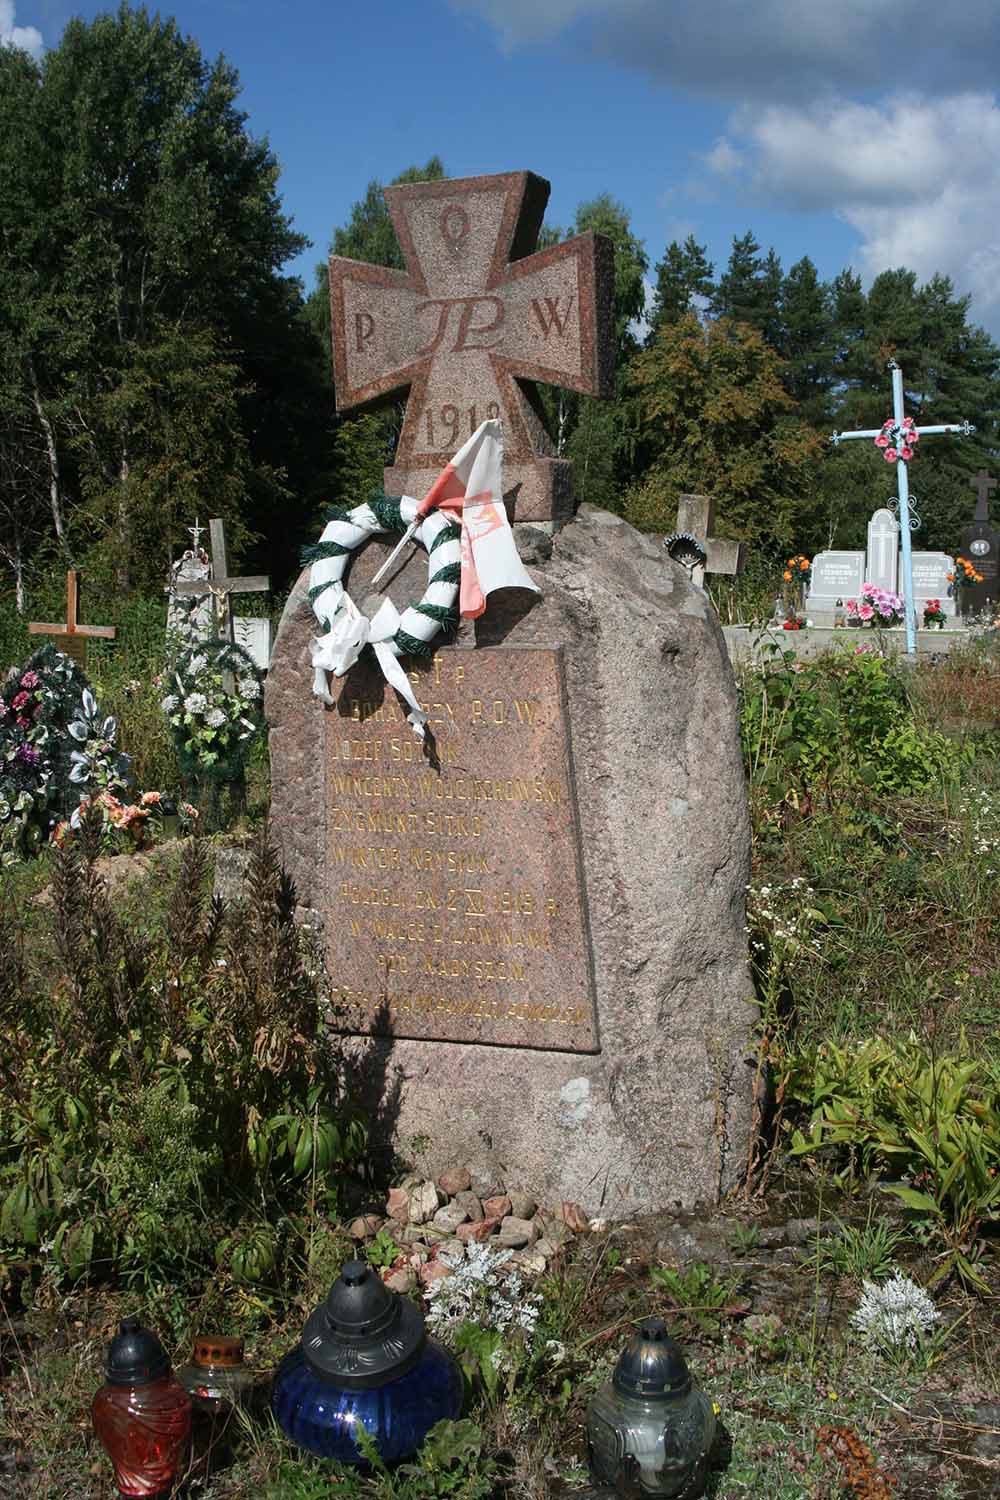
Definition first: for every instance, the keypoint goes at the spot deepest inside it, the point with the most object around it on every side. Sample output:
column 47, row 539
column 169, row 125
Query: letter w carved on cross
column 473, row 322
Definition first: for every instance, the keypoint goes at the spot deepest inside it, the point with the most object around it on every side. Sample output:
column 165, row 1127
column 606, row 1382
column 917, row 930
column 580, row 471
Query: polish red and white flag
column 470, row 488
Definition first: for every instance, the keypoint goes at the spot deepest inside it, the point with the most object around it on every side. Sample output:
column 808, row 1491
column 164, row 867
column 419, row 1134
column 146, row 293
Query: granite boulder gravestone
column 537, row 919
column 534, row 918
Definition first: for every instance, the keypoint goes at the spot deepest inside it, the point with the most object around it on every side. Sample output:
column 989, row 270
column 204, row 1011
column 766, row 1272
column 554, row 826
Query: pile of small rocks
column 434, row 1222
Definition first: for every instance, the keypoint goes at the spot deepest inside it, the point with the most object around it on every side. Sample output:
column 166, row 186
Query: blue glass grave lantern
column 365, row 1357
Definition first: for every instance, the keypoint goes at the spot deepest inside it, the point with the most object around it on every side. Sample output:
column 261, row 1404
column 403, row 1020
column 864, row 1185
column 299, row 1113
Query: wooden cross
column 696, row 515
column 470, row 325
column 963, row 429
column 71, row 638
column 984, row 485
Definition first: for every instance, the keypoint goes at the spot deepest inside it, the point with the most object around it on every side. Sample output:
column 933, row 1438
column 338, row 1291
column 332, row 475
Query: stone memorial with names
column 930, row 581
column 474, row 320
column 835, row 575
column 533, row 919
column 981, row 545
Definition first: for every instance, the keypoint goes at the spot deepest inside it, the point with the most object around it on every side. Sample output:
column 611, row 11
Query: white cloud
column 723, row 160
column 767, row 49
column 28, row 38
column 917, row 178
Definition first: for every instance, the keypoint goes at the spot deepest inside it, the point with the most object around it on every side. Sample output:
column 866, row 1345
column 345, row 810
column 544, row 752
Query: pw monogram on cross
column 470, row 325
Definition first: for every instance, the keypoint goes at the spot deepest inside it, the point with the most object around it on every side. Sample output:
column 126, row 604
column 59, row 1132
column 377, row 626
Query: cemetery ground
column 175, row 1143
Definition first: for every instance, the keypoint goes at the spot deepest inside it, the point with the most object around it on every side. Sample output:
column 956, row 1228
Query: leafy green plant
column 382, row 1250
column 172, row 1091
column 697, row 1292
column 859, row 1252
column 744, row 1239
column 896, row 1108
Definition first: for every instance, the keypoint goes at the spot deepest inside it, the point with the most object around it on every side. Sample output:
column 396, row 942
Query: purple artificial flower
column 26, row 755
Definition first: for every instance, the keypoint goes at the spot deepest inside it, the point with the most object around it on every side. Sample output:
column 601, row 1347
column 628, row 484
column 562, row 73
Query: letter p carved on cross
column 470, row 326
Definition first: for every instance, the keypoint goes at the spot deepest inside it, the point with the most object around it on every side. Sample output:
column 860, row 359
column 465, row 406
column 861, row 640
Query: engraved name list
column 455, row 896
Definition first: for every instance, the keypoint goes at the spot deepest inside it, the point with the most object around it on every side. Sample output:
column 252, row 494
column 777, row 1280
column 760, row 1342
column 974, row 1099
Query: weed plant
column 167, row 1100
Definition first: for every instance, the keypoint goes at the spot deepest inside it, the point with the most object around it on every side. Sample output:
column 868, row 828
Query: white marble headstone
column 883, row 551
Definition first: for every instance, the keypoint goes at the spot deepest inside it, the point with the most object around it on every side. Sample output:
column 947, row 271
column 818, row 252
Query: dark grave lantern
column 650, row 1430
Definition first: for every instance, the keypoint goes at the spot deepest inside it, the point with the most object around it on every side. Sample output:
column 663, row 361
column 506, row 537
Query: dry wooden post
column 71, row 638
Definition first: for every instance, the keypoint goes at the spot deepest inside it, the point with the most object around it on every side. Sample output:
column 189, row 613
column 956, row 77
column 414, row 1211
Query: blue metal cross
column 963, row 429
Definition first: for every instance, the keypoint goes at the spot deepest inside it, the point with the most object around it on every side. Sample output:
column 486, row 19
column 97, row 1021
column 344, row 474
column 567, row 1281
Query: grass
column 904, row 888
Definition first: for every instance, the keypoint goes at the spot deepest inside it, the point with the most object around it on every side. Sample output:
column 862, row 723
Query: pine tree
column 806, row 341
column 749, row 289
column 683, row 277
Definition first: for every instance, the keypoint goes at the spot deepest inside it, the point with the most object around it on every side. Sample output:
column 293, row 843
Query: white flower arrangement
column 214, row 709
column 895, row 1317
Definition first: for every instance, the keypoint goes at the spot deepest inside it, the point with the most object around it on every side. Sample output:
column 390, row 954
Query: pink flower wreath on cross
column 898, row 439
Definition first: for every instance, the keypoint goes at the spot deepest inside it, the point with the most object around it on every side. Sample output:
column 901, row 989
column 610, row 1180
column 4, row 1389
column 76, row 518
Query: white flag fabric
column 471, row 489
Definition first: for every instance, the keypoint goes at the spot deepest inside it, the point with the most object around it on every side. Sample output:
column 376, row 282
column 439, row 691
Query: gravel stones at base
column 434, row 1223
column 516, row 1233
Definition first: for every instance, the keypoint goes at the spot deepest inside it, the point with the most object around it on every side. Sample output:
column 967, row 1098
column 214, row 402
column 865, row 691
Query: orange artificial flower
column 786, row 575
column 950, row 577
column 803, row 563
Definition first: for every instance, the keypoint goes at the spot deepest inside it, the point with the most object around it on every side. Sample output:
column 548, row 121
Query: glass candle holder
column 142, row 1415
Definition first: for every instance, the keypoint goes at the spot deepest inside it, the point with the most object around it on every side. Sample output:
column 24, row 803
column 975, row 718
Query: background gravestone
column 835, row 575
column 882, row 567
column 541, row 924
column 930, row 581
column 981, row 545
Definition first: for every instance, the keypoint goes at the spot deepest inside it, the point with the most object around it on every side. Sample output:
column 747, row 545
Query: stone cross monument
column 696, row 516
column 470, row 325
column 532, row 919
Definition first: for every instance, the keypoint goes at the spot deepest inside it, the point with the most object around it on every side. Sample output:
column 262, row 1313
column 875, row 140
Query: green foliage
column 696, row 1292
column 451, row 1462
column 382, row 1249
column 172, row 1084
column 841, row 720
column 714, row 417
column 897, row 1109
column 862, row 1252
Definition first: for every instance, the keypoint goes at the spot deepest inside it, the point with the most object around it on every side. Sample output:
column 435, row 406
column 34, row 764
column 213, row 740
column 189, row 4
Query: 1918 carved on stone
column 471, row 323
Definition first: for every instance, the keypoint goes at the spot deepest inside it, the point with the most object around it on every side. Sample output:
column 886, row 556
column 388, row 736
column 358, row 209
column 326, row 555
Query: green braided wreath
column 347, row 530
column 214, row 729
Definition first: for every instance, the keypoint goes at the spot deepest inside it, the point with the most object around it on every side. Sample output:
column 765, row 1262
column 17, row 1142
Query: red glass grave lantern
column 142, row 1416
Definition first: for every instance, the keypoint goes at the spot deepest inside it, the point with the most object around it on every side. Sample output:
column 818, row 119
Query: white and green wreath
column 346, row 630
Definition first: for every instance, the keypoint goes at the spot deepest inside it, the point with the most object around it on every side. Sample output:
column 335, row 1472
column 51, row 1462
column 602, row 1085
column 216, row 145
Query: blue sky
column 861, row 132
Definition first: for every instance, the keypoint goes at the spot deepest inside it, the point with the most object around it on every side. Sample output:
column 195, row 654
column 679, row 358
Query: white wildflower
column 169, row 703
column 215, row 718
column 895, row 1317
column 195, row 703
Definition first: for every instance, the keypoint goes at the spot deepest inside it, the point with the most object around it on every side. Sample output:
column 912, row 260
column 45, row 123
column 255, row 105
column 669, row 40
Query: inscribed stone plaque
column 835, row 575
column 454, row 900
column 883, row 551
column 930, row 580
